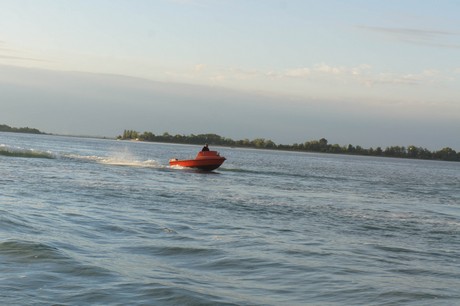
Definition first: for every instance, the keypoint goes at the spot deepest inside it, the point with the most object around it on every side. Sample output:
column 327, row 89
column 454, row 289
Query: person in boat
column 205, row 148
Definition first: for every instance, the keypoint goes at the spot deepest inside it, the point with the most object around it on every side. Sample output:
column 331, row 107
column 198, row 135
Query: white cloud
column 427, row 37
column 323, row 68
column 362, row 74
column 11, row 56
column 422, row 78
column 296, row 78
column 200, row 67
column 297, row 72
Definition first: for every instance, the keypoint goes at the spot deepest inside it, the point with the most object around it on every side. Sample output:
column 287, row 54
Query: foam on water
column 115, row 160
column 122, row 158
column 13, row 151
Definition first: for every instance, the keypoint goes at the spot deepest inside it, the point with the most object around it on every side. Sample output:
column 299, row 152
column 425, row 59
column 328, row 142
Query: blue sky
column 362, row 72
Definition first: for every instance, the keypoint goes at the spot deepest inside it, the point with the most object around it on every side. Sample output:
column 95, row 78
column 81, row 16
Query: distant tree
column 412, row 151
column 147, row 136
column 270, row 144
column 446, row 154
column 335, row 148
column 395, row 151
column 6, row 128
column 321, row 145
column 258, row 143
column 351, row 149
column 130, row 134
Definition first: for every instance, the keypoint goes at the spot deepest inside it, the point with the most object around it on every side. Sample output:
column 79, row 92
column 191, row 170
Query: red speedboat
column 204, row 160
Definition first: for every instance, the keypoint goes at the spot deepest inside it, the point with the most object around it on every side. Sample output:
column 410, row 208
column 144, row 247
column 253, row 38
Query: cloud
column 200, row 67
column 103, row 104
column 408, row 31
column 10, row 57
column 235, row 74
column 321, row 71
column 10, row 54
column 422, row 78
column 245, row 74
column 433, row 38
column 362, row 74
column 359, row 75
column 327, row 69
column 298, row 72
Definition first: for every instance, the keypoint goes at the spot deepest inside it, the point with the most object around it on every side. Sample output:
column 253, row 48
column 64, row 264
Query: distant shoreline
column 314, row 146
column 25, row 130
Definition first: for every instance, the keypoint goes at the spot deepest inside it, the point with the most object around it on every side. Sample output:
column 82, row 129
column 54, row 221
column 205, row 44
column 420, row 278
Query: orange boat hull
column 207, row 161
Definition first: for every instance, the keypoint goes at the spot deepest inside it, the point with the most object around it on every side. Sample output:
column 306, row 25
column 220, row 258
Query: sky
column 369, row 73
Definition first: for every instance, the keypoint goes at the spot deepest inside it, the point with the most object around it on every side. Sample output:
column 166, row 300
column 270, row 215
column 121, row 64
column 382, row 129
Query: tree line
column 6, row 128
column 321, row 145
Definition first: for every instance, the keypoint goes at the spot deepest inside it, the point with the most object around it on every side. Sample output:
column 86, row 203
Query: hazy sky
column 363, row 72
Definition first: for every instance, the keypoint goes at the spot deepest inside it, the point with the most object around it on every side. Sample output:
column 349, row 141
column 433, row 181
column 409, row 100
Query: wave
column 30, row 253
column 22, row 152
column 130, row 161
column 168, row 250
column 27, row 251
column 273, row 173
column 114, row 160
column 13, row 223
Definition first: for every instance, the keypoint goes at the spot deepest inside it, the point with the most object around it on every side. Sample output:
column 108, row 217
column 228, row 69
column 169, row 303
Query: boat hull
column 206, row 165
column 206, row 161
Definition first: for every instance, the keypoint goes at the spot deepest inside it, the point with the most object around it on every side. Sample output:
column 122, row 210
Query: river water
column 105, row 222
